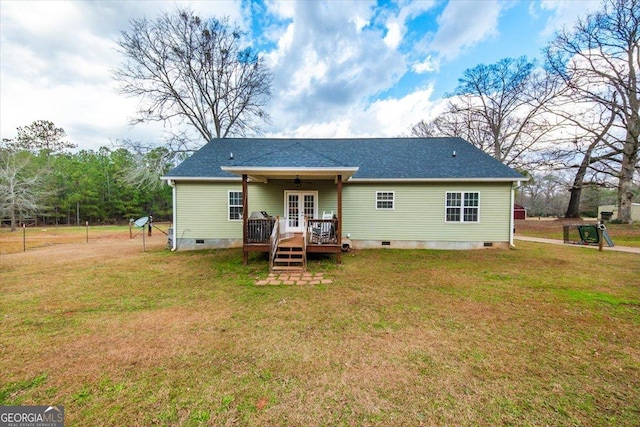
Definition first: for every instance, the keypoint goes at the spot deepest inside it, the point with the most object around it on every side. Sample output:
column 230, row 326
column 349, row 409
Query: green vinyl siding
column 419, row 213
column 202, row 211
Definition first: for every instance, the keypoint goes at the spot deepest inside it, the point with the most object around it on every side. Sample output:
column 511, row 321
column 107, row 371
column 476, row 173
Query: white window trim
column 229, row 206
column 393, row 201
column 462, row 206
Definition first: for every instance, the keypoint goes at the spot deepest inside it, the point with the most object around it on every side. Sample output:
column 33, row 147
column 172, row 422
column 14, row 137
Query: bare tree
column 454, row 122
column 44, row 138
column 599, row 58
column 544, row 194
column 196, row 71
column 153, row 161
column 424, row 129
column 498, row 108
column 20, row 186
column 584, row 142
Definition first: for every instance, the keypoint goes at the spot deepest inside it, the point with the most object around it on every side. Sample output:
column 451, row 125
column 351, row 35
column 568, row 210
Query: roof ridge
column 266, row 154
column 324, row 155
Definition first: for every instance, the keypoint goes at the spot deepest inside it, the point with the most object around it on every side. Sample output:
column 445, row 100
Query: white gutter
column 302, row 171
column 174, row 241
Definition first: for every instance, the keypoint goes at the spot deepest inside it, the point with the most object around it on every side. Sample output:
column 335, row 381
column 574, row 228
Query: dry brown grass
column 40, row 237
column 539, row 335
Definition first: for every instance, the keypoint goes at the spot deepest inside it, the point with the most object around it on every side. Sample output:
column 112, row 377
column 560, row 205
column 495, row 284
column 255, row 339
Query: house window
column 235, row 205
column 385, row 199
column 462, row 207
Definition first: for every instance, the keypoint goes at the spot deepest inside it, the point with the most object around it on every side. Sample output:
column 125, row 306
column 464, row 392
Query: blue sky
column 341, row 68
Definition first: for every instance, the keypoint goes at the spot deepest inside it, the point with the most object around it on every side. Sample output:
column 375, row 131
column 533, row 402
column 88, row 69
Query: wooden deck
column 292, row 242
column 326, row 248
column 289, row 251
column 298, row 241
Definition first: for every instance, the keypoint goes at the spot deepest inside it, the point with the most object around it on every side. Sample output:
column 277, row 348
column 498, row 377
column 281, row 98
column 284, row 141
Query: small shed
column 519, row 212
column 609, row 212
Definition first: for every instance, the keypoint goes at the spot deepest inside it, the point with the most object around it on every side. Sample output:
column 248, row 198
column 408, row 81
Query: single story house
column 440, row 193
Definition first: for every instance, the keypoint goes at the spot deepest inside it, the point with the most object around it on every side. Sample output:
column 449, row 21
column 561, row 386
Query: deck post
column 339, row 228
column 245, row 218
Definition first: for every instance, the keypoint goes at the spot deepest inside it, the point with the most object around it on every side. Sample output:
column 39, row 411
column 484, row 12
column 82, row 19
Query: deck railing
column 322, row 231
column 259, row 229
column 274, row 241
column 317, row 231
column 283, row 229
column 304, row 244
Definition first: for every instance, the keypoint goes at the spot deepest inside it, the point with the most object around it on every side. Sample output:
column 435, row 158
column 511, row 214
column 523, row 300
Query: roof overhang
column 264, row 174
column 198, row 178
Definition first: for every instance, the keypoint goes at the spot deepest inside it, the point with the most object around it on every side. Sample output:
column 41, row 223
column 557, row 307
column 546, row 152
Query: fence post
column 600, row 237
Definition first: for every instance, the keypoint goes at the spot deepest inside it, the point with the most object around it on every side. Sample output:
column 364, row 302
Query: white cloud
column 564, row 13
column 282, row 9
column 57, row 58
column 396, row 24
column 394, row 117
column 464, row 24
column 394, row 34
column 389, row 117
column 427, row 66
column 326, row 62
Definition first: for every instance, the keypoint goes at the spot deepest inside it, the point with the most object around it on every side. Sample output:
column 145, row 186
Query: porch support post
column 245, row 216
column 340, row 218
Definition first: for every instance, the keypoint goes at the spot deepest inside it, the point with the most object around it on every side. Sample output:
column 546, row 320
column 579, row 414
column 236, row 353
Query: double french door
column 299, row 204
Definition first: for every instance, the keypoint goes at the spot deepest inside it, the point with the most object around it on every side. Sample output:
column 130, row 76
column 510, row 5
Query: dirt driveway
column 99, row 249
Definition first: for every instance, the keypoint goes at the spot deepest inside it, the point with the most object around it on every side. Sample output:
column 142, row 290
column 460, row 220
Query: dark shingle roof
column 376, row 158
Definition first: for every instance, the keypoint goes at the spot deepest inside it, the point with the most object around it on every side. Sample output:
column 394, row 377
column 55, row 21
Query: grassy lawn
column 538, row 335
column 621, row 234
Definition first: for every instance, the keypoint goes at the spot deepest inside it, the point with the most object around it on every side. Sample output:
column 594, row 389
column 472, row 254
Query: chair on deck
column 322, row 231
column 326, row 231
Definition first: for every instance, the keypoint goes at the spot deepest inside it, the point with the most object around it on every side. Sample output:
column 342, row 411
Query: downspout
column 511, row 220
column 172, row 184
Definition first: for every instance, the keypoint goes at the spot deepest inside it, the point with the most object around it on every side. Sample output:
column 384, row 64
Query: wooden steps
column 290, row 255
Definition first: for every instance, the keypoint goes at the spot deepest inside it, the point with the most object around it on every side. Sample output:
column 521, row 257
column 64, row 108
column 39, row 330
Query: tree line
column 42, row 181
